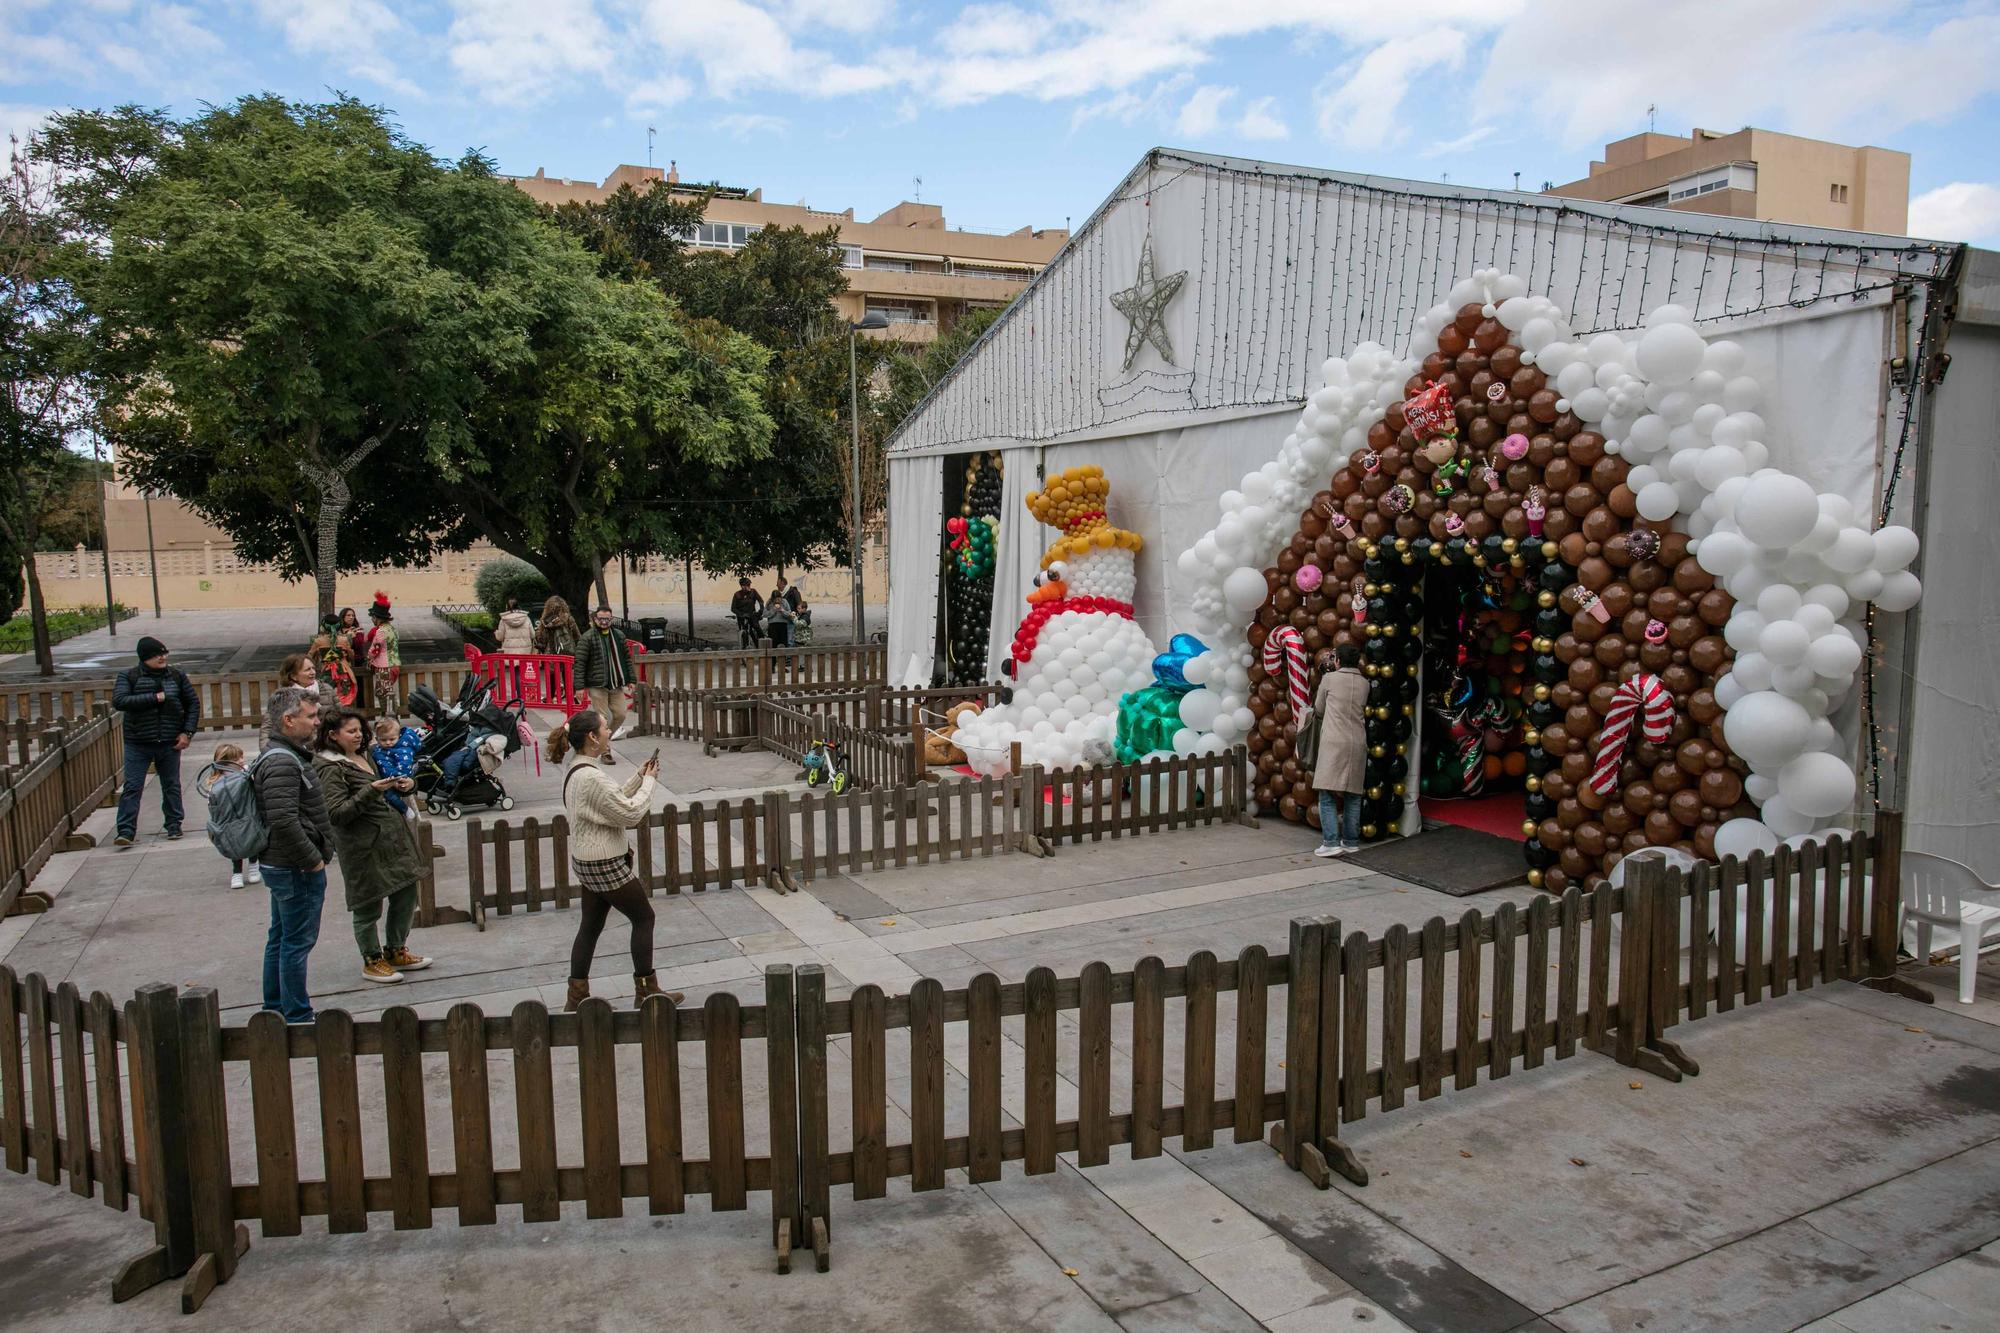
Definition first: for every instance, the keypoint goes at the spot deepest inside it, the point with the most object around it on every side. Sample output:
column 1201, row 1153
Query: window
column 1734, row 176
column 725, row 235
column 990, row 271
column 889, row 265
column 1836, row 194
column 850, row 256
column 902, row 312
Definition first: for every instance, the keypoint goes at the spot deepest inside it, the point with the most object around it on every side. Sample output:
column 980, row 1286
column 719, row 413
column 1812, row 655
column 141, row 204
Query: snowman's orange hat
column 1074, row 501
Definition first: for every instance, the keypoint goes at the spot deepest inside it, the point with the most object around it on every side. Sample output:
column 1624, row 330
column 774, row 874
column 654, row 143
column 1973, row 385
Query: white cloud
column 657, row 94
column 1201, row 115
column 843, row 15
column 1464, row 143
column 1262, row 121
column 1960, row 211
column 1357, row 105
column 350, row 34
column 20, row 122
column 521, row 51
column 742, row 49
column 746, row 123
column 1129, row 108
column 1856, row 70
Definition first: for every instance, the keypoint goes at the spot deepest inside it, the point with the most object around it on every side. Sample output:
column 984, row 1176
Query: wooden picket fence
column 1335, row 1014
column 231, row 701
column 784, row 839
column 45, row 798
column 766, row 668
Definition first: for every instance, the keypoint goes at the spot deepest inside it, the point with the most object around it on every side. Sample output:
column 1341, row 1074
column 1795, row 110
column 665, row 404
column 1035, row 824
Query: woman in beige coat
column 1343, row 753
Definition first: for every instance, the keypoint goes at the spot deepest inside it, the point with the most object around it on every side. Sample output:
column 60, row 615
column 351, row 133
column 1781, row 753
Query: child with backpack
column 227, row 762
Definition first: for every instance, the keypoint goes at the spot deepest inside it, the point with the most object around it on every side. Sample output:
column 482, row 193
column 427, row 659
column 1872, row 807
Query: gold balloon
column 1375, row 752
column 1374, row 793
column 1541, row 691
column 1531, row 737
column 1534, row 879
column 1532, row 783
column 1509, row 545
column 1368, row 830
column 1528, row 828
column 1396, row 787
column 1547, row 598
column 1549, row 550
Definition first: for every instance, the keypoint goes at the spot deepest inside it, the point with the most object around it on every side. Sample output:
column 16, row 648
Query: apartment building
column 1757, row 174
column 907, row 264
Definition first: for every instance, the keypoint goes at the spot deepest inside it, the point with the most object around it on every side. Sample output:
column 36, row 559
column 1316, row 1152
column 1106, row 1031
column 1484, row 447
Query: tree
column 914, row 372
column 287, row 294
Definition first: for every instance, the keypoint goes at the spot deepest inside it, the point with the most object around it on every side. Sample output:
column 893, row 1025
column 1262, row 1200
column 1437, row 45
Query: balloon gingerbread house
column 1567, row 561
column 1078, row 650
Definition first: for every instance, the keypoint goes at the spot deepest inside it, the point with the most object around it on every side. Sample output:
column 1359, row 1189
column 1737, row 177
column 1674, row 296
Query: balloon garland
column 1642, row 698
column 974, row 533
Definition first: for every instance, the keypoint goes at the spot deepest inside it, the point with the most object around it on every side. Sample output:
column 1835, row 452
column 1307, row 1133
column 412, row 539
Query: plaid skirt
column 603, row 876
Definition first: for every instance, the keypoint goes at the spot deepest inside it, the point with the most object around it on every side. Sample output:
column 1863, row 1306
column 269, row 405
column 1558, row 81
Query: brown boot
column 579, row 991
column 649, row 985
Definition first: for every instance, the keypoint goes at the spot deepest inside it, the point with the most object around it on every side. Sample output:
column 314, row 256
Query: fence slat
column 41, row 1080
column 1039, row 1140
column 1833, row 962
column 660, row 1073
column 1354, row 1027
column 722, row 1022
column 1149, row 1039
column 1198, row 1053
column 535, row 1113
column 1728, row 984
column 1430, row 1013
column 1304, row 960
column 110, row 1100
column 1698, row 946
column 927, row 1085
column 782, row 1074
column 1093, row 1129
column 815, row 1171
column 1753, row 928
column 1505, row 923
column 340, row 1121
column 276, row 1131
column 1535, row 1040
column 471, row 1115
column 983, row 1150
column 1781, row 900
column 13, row 1093
column 1252, row 968
column 403, row 1101
column 1466, row 1061
column 867, row 1017
column 1395, row 1014
column 1808, row 932
column 597, row 1091
column 75, row 1089
column 1597, row 1017
column 1860, row 877
column 1568, row 962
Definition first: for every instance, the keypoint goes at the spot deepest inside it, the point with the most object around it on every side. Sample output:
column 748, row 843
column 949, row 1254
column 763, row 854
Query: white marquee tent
column 1287, row 265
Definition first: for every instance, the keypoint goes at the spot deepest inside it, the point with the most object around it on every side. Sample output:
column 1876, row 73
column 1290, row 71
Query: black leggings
column 632, row 905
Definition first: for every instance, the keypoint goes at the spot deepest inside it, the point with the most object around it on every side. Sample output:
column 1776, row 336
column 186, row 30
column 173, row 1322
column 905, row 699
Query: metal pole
column 103, row 530
column 854, row 517
column 152, row 556
column 689, row 565
column 624, row 592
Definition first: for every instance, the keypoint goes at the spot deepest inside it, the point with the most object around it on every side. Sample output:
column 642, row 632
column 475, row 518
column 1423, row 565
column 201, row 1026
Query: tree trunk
column 603, row 590
column 334, row 498
column 38, row 616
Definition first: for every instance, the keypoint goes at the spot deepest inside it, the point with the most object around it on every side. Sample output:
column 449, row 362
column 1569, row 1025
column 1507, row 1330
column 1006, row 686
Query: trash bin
column 653, row 633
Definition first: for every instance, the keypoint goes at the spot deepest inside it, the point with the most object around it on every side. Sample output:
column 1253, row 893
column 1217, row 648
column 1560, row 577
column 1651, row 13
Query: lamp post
column 872, row 319
column 103, row 528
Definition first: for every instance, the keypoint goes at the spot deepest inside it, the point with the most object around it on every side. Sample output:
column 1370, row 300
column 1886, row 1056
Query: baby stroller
column 447, row 769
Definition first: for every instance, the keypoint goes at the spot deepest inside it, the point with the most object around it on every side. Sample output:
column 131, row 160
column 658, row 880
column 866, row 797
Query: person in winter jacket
column 292, row 805
column 603, row 670
column 600, row 811
column 301, row 670
column 1342, row 701
column 517, row 635
column 162, row 713
column 379, row 863
column 557, row 633
column 778, row 618
column 748, row 608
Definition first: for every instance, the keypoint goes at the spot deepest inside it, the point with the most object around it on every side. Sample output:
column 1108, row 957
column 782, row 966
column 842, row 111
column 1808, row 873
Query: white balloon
column 1728, row 690
column 1760, row 787
column 1818, row 786
column 1722, row 553
column 1825, row 530
column 1794, row 682
column 1744, row 628
column 1199, row 709
column 1670, row 353
column 1831, row 596
column 1740, row 837
column 1753, row 672
column 1784, row 821
column 1198, row 669
column 1658, row 502
column 1669, row 313
column 1895, row 547
column 1766, row 729
column 1900, row 591
column 1852, row 551
column 1784, row 642
column 1717, row 464
column 1184, row 741
column 1725, row 357
column 1865, row 586
column 1816, row 619
column 1244, row 590
column 1777, row 510
column 1778, row 602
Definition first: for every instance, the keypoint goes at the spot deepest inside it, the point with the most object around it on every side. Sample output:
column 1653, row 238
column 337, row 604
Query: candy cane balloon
column 1645, row 698
column 1285, row 651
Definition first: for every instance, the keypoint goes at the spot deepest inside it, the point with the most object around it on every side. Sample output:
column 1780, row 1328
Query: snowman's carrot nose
column 1052, row 591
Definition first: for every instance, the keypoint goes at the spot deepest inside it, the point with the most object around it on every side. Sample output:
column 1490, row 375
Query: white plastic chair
column 1938, row 891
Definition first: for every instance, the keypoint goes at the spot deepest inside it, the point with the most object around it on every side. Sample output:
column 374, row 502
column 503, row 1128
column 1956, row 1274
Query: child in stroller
column 449, row 768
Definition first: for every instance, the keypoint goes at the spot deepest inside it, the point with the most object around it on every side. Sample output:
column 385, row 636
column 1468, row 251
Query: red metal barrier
column 538, row 680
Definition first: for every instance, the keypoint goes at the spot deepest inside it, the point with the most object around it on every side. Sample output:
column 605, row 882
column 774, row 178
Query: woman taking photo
column 1343, row 751
column 374, row 847
column 600, row 811
column 299, row 669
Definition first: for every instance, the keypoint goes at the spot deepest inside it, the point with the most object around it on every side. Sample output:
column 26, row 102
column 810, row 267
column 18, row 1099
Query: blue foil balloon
column 1168, row 667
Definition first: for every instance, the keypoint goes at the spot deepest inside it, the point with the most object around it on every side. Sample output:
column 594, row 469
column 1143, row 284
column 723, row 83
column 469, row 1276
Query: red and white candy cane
column 1287, row 650
column 1645, row 698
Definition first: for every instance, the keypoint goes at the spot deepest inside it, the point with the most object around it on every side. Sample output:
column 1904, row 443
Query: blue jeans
column 296, row 897
column 166, row 761
column 1340, row 814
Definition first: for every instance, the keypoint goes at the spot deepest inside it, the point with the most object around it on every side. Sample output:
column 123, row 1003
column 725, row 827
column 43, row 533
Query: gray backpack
column 236, row 827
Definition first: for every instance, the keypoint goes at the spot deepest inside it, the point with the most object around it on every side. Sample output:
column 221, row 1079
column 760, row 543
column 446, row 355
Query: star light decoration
column 1144, row 303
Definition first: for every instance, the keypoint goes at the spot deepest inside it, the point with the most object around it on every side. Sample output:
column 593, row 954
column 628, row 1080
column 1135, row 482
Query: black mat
column 1453, row 860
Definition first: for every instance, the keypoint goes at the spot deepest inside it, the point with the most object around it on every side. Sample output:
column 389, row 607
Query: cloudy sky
column 1028, row 112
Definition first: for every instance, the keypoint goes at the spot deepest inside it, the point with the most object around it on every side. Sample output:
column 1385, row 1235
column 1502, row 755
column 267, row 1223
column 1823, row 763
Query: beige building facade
column 908, row 265
column 1754, row 173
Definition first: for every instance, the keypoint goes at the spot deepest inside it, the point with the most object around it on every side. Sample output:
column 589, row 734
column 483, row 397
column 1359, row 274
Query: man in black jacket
column 162, row 713
column 301, row 843
column 602, row 670
column 748, row 608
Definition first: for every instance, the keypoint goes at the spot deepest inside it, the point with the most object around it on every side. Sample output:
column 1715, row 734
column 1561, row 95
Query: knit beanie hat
column 150, row 647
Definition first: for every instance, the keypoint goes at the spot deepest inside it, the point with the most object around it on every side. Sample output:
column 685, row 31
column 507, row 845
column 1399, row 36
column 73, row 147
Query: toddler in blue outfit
column 395, row 753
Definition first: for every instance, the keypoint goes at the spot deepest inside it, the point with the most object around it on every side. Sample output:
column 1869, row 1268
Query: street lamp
column 873, row 319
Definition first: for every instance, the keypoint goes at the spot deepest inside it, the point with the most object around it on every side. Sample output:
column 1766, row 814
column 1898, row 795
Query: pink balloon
column 1308, row 577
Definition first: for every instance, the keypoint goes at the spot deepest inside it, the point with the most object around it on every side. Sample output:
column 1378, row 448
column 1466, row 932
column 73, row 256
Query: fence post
column 1885, row 890
column 815, row 1170
column 218, row 1238
column 780, row 1046
column 159, row 1127
column 764, row 664
column 778, row 842
column 1302, row 1110
column 1635, row 957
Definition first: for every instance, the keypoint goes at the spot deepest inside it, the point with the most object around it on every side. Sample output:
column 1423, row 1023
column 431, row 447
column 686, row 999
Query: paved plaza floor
column 1834, row 1166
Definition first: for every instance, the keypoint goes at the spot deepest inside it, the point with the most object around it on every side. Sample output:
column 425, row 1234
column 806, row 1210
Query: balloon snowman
column 1078, row 650
column 1701, row 611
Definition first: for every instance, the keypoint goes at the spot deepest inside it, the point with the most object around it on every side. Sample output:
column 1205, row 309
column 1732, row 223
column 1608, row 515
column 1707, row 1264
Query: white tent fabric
column 1018, row 555
column 916, row 525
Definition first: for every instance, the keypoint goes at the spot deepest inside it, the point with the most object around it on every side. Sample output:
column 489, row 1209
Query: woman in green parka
column 373, row 845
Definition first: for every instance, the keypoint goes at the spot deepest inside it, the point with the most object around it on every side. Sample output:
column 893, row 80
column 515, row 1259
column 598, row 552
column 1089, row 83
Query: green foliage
column 506, row 577
column 916, row 371
column 72, row 513
column 16, row 636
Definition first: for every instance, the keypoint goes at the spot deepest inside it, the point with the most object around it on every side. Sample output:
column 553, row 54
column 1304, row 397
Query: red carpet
column 1499, row 814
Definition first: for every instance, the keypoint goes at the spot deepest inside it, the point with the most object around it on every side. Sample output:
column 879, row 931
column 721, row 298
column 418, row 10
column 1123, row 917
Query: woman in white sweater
column 600, row 811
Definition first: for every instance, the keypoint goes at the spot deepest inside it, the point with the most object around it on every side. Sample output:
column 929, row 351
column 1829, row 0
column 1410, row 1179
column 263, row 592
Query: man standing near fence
column 603, row 670
column 293, row 808
column 162, row 713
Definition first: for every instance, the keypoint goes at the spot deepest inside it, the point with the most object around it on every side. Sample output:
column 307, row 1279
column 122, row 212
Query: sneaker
column 1331, row 849
column 173, row 835
column 236, row 880
column 252, row 874
column 123, row 840
column 403, row 958
column 378, row 969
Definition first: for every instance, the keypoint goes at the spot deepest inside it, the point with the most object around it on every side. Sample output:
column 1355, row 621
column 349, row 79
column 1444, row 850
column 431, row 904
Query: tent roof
column 1288, row 265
